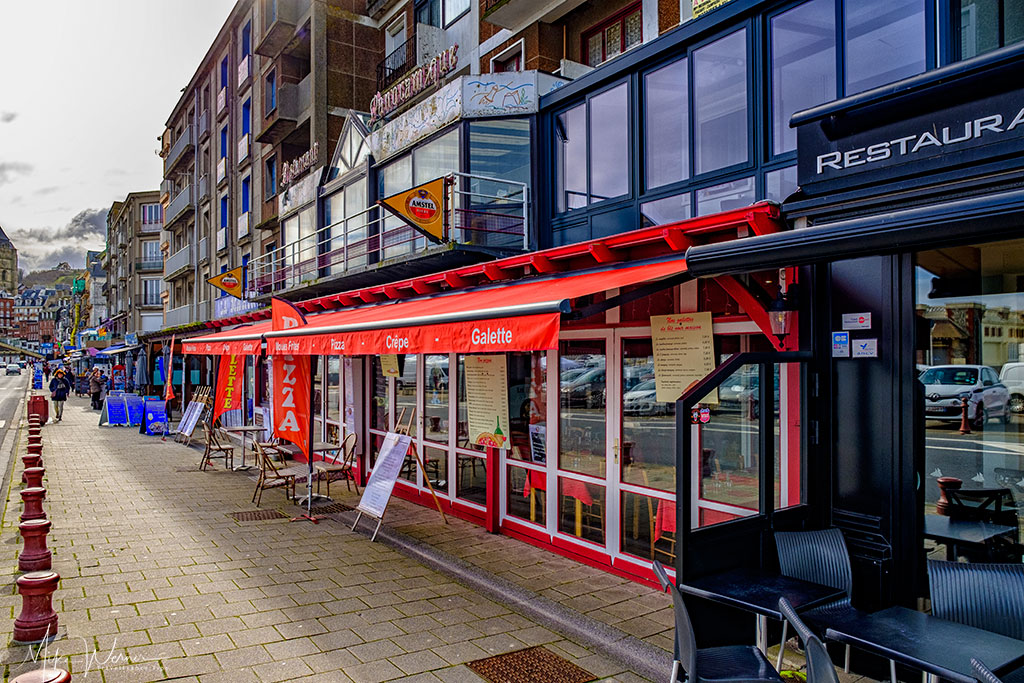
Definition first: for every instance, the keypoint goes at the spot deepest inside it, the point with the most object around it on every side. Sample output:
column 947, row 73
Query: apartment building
column 134, row 264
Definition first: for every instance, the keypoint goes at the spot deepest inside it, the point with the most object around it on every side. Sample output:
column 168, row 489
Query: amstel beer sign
column 423, row 207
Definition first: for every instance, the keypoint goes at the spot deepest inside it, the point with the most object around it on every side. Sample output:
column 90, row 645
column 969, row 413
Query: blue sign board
column 114, row 411
column 136, row 408
column 156, row 418
column 37, row 375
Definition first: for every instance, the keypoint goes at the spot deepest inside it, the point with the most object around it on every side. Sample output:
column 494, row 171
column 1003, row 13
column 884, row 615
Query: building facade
column 134, row 265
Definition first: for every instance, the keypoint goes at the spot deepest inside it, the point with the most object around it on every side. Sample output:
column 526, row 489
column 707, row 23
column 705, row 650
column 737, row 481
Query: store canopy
column 115, row 350
column 520, row 315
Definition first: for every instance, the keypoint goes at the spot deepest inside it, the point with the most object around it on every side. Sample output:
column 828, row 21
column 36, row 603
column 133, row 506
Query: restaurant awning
column 522, row 315
column 115, row 350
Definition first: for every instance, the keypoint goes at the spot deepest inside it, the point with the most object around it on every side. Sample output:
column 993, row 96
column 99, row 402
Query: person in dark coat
column 96, row 388
column 60, row 387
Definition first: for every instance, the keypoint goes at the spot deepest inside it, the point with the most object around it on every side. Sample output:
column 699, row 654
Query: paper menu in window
column 684, row 353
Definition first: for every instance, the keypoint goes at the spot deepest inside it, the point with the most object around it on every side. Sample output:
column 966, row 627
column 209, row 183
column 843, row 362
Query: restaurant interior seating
column 732, row 663
column 819, row 664
column 983, row 673
column 986, row 596
column 819, row 557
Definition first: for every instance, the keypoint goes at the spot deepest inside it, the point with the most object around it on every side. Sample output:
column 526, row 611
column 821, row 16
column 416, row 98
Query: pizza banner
column 291, row 400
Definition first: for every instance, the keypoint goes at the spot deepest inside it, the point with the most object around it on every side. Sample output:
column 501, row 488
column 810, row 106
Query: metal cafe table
column 956, row 532
column 935, row 646
column 243, row 430
column 321, row 447
column 758, row 591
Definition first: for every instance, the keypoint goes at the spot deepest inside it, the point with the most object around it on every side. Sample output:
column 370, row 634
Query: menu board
column 114, row 411
column 487, row 400
column 191, row 418
column 135, row 406
column 385, row 472
column 156, row 418
column 539, row 443
column 389, row 365
column 684, row 352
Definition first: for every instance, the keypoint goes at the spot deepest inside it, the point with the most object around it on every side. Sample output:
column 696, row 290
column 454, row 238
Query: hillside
column 54, row 276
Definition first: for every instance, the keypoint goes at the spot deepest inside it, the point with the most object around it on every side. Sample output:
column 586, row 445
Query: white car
column 1012, row 375
column 13, row 369
column 946, row 385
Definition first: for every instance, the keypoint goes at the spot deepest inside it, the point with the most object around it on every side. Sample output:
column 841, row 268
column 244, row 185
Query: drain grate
column 331, row 508
column 257, row 515
column 533, row 665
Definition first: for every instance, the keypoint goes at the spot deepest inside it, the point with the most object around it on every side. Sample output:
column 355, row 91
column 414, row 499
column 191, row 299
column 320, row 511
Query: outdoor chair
column 819, row 664
column 271, row 477
column 339, row 470
column 992, row 506
column 983, row 673
column 819, row 557
column 215, row 449
column 986, row 596
column 732, row 663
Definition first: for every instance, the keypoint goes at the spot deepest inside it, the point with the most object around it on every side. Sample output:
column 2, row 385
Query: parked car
column 1012, row 375
column 643, row 400
column 13, row 369
column 946, row 385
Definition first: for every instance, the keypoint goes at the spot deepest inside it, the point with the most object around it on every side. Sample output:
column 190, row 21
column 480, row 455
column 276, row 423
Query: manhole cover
column 533, row 665
column 256, row 515
column 331, row 508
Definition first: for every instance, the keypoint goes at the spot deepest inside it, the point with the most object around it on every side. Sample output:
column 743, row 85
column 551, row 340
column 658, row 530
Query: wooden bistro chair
column 271, row 477
column 216, row 449
column 334, row 469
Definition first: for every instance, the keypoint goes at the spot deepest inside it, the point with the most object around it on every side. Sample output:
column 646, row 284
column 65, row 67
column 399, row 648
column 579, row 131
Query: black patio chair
column 983, row 673
column 986, row 596
column 819, row 557
column 728, row 664
column 819, row 664
column 993, row 506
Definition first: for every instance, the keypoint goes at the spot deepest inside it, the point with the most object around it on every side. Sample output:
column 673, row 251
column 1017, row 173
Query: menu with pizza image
column 487, row 400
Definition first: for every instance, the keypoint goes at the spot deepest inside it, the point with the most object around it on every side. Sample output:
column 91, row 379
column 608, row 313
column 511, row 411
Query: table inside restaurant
column 243, row 430
column 935, row 646
column 537, row 481
column 758, row 591
column 953, row 532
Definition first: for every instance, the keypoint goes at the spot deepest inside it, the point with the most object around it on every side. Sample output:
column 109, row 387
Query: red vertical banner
column 169, row 385
column 229, row 386
column 291, row 400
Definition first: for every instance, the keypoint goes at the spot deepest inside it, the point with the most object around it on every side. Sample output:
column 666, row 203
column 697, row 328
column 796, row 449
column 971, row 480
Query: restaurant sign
column 291, row 170
column 418, row 80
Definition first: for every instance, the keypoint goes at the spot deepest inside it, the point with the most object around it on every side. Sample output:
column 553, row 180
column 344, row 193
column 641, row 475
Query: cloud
column 10, row 169
column 7, row 116
column 87, row 224
column 40, row 248
column 74, row 255
column 46, row 190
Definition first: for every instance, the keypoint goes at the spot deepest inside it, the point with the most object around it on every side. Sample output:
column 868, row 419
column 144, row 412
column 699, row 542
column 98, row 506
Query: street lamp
column 783, row 308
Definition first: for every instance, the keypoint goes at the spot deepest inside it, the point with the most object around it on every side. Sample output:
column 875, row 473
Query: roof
column 4, row 239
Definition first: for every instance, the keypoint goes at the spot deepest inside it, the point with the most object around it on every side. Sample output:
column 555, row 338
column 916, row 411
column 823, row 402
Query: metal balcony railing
column 181, row 315
column 484, row 212
column 222, row 101
column 179, row 206
column 149, row 265
column 243, row 225
column 222, row 170
column 396, row 64
column 180, row 149
column 243, row 71
column 178, row 262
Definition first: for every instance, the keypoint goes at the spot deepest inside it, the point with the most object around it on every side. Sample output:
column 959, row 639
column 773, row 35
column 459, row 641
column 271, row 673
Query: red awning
column 516, row 316
column 239, row 341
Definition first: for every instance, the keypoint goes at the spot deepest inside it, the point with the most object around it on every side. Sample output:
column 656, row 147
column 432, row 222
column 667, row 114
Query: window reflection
column 720, row 103
column 571, row 158
column 526, row 494
column 647, row 451
column 885, row 41
column 609, row 144
column 435, row 397
column 648, row 527
column 734, row 194
column 581, row 510
column 667, row 135
column 582, row 407
column 405, row 393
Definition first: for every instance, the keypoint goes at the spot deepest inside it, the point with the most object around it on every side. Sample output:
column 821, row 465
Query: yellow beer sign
column 423, row 207
column 230, row 282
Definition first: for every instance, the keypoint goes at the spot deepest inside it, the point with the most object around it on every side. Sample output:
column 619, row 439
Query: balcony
column 204, row 124
column 514, row 14
column 222, row 170
column 166, row 188
column 222, row 239
column 243, row 148
column 204, row 250
column 243, row 71
column 180, row 207
column 396, row 64
column 150, row 228
column 182, row 315
column 178, row 262
column 293, row 107
column 204, row 187
column 149, row 265
column 181, row 150
column 243, row 225
column 280, row 17
column 222, row 102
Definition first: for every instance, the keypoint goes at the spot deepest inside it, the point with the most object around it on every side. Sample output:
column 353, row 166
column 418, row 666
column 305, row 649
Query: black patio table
column 935, row 646
column 953, row 532
column 758, row 591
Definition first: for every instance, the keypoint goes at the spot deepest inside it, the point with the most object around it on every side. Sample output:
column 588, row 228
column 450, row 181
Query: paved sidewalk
column 159, row 583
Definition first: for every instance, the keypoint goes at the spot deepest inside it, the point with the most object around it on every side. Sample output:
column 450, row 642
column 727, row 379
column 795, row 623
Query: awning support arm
column 750, row 305
column 628, row 297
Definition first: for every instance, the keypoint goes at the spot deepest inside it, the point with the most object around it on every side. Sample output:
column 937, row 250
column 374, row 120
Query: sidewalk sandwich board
column 377, row 492
column 115, row 412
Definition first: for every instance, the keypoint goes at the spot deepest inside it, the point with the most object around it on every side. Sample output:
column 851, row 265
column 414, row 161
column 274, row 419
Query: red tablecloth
column 570, row 487
column 664, row 519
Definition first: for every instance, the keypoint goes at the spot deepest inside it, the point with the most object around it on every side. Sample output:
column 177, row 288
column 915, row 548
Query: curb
column 637, row 656
column 10, row 446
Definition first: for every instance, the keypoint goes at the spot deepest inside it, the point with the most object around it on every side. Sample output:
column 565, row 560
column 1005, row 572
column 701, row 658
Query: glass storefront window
column 885, row 41
column 647, row 454
column 648, row 527
column 571, row 159
column 436, row 158
column 435, row 398
column 435, row 461
column 970, row 346
column 609, row 144
column 666, row 133
column 720, row 103
column 582, row 405
column 526, row 494
column 803, row 53
column 988, row 24
column 333, row 388
column 471, row 478
column 527, row 406
column 379, row 396
column 581, row 510
column 405, row 393
column 734, row 194
column 462, row 433
column 666, row 210
column 780, row 184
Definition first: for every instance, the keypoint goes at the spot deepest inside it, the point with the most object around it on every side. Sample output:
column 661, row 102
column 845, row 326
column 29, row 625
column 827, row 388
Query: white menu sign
column 377, row 491
column 684, row 352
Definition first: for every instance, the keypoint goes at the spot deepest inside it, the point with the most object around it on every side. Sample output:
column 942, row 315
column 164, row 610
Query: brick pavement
column 159, row 583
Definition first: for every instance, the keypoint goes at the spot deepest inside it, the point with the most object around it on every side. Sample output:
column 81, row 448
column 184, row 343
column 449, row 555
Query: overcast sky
column 85, row 89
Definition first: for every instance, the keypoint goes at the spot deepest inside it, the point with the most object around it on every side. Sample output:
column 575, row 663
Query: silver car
column 946, row 385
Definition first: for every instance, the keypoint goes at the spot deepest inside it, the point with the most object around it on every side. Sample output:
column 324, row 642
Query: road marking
column 3, row 423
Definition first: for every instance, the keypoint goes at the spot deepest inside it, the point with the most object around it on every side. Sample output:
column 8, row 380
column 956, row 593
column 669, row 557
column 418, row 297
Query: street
column 12, row 391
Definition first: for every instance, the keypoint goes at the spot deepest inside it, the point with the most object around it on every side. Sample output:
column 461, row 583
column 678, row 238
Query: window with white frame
column 152, row 214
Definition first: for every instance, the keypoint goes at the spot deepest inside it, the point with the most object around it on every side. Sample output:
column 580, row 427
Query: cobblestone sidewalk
column 160, row 583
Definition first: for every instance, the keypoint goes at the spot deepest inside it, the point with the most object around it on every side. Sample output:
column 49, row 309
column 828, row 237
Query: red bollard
column 35, row 556
column 43, row 676
column 35, row 430
column 33, row 500
column 37, row 621
column 32, row 460
column 35, row 448
column 33, row 476
column 35, row 438
column 965, row 425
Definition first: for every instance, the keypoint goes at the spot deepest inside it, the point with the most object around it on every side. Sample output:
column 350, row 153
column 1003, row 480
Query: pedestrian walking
column 60, row 387
column 96, row 388
column 46, row 371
